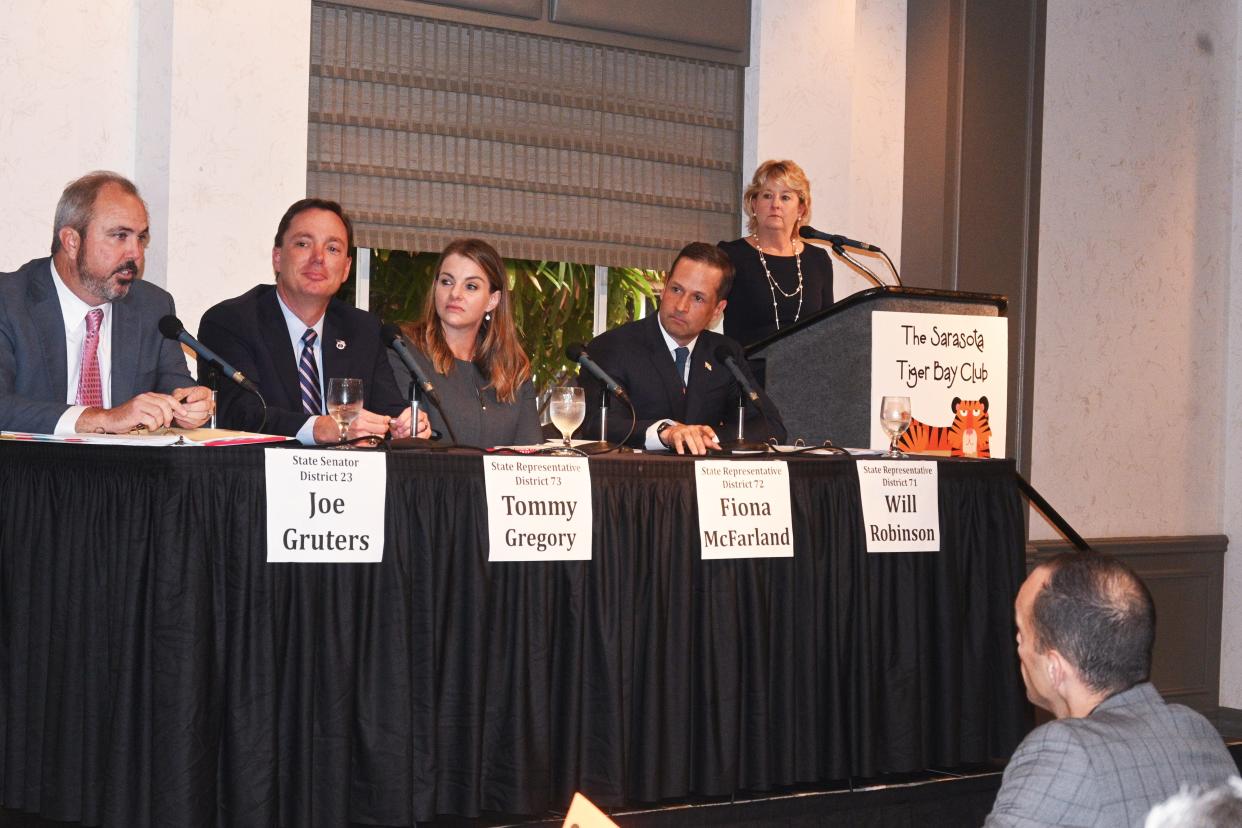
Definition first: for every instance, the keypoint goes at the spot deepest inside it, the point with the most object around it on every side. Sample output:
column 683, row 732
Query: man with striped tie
column 80, row 346
column 290, row 338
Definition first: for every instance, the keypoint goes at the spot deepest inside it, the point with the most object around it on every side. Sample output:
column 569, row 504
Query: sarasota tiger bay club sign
column 900, row 505
column 954, row 369
column 744, row 509
column 538, row 508
column 325, row 506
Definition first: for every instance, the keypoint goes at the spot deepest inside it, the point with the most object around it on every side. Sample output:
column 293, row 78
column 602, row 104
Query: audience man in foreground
column 80, row 347
column 290, row 338
column 684, row 398
column 1086, row 624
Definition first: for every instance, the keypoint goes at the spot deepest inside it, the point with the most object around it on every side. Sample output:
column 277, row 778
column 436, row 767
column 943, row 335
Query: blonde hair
column 784, row 172
column 497, row 353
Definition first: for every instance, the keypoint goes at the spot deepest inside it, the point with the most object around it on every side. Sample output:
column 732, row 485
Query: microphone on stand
column 746, row 391
column 391, row 336
column 808, row 232
column 578, row 353
column 171, row 327
column 839, row 243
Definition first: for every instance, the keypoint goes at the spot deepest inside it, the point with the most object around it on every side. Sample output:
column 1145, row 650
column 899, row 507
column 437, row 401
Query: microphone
column 391, row 335
column 807, row 232
column 577, row 353
column 725, row 357
column 171, row 327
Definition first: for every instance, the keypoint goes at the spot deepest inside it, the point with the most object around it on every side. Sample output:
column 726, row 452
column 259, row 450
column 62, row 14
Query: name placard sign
column 900, row 505
column 538, row 508
column 325, row 506
column 954, row 369
column 744, row 509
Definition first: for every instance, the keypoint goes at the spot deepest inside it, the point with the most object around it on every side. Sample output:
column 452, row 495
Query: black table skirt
column 156, row 671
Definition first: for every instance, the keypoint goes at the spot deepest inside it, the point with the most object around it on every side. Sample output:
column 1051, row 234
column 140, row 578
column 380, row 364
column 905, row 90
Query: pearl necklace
column 773, row 286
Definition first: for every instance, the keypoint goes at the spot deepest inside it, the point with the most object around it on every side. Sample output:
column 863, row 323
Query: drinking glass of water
column 894, row 419
column 344, row 401
column 567, row 406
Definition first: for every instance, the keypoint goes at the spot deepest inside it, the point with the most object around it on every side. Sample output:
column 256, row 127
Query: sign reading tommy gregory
column 900, row 504
column 325, row 506
column 744, row 509
column 538, row 508
column 953, row 367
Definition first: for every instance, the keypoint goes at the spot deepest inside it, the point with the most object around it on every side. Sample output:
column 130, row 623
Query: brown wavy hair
column 497, row 353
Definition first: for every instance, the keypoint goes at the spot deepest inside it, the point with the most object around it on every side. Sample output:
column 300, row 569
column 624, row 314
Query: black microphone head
column 171, row 327
column 723, row 354
column 806, row 231
column 390, row 333
column 574, row 351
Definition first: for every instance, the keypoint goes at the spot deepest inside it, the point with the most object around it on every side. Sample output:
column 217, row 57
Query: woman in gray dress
column 467, row 342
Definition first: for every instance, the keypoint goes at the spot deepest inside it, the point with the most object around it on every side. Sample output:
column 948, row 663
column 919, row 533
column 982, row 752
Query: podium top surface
column 877, row 296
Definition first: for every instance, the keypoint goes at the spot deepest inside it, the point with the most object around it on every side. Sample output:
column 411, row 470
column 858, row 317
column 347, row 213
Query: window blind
column 428, row 130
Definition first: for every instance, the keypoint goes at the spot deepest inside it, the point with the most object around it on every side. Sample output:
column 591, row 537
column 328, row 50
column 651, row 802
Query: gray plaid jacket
column 1110, row 767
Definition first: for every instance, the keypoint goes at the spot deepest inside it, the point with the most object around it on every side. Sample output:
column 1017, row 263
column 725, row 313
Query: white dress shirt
column 297, row 329
column 73, row 310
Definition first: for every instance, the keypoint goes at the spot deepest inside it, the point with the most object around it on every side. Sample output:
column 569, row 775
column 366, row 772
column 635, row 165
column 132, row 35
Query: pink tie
column 90, row 389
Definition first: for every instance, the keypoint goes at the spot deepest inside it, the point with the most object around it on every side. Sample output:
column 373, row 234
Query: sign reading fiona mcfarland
column 538, row 508
column 325, row 506
column 744, row 509
column 900, row 505
column 954, row 369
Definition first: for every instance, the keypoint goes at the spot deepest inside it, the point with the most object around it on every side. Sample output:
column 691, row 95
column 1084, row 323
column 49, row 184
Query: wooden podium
column 818, row 372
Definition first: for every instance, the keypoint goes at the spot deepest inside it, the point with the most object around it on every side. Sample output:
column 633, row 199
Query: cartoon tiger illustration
column 969, row 435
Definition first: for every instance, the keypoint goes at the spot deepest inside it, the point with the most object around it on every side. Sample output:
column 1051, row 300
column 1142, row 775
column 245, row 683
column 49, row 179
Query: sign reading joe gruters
column 325, row 506
column 744, row 509
column 954, row 368
column 900, row 505
column 538, row 509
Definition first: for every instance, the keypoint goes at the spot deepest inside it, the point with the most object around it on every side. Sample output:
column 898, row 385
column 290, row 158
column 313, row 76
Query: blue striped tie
column 308, row 375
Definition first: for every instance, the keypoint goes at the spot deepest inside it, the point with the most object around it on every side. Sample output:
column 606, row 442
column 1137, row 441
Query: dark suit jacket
column 250, row 332
column 636, row 356
column 33, row 376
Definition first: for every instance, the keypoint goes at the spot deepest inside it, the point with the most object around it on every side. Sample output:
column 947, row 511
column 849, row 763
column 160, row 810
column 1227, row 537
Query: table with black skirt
column 155, row 670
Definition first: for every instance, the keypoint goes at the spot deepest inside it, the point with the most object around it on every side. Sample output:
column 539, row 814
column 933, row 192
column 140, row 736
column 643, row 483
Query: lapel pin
column 340, row 344
column 707, row 365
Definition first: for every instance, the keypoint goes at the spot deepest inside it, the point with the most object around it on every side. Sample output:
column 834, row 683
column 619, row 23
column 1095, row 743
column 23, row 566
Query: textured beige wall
column 1134, row 265
column 67, row 103
column 1139, row 325
column 203, row 105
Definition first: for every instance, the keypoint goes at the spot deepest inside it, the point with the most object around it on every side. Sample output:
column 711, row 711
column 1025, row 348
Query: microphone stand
column 741, row 444
column 840, row 251
column 602, row 445
column 412, row 442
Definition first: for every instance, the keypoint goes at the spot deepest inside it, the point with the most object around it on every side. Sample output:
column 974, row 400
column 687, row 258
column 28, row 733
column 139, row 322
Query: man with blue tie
column 682, row 396
column 80, row 346
column 290, row 338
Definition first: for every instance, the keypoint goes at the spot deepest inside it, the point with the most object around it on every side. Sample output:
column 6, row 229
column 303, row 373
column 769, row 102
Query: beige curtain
column 428, row 130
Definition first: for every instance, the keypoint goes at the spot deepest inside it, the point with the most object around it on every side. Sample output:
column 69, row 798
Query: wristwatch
column 661, row 428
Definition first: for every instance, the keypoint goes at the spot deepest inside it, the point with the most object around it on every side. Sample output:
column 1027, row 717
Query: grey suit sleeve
column 18, row 412
column 1046, row 783
column 172, row 372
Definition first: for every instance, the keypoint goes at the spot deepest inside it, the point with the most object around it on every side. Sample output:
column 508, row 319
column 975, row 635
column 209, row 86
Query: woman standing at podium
column 780, row 280
column 467, row 342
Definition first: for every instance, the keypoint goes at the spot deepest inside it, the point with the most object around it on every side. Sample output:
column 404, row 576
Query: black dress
column 748, row 317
